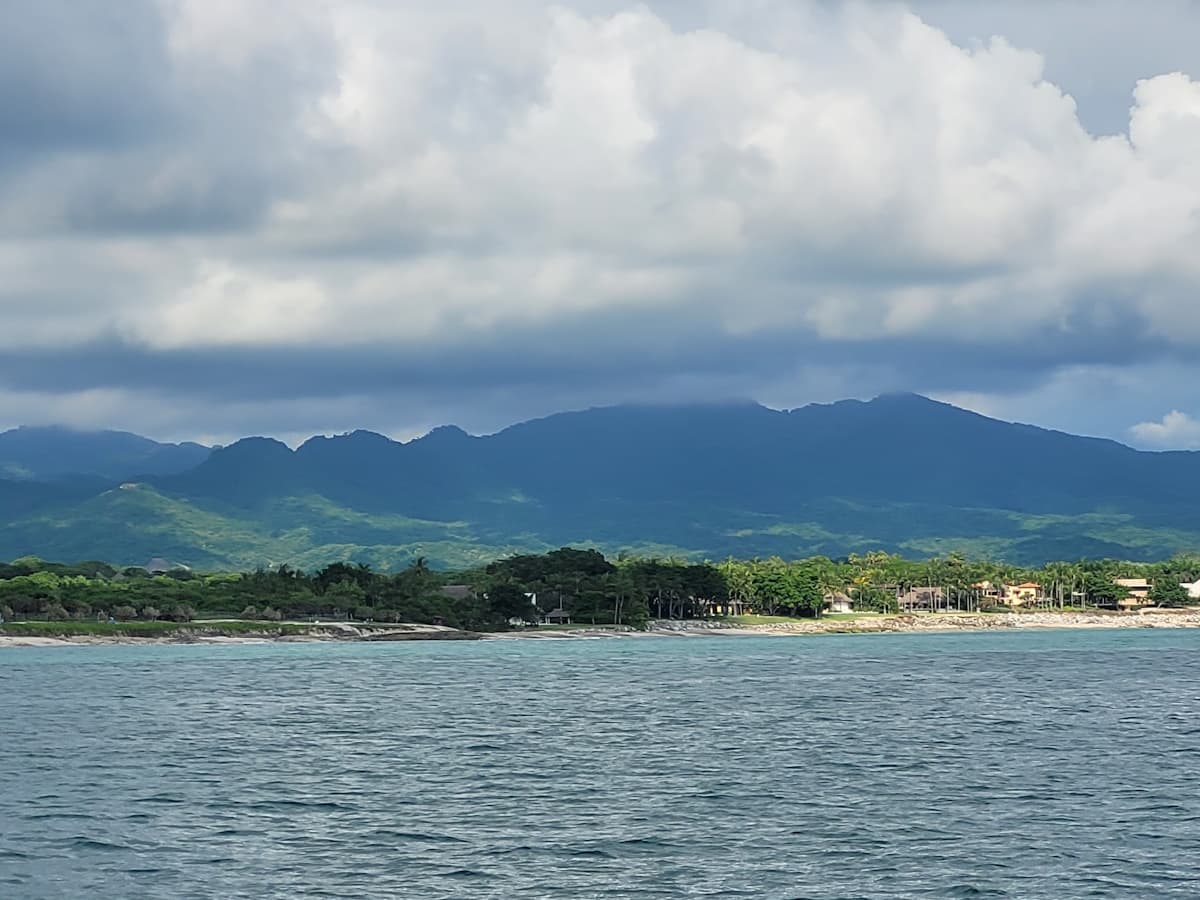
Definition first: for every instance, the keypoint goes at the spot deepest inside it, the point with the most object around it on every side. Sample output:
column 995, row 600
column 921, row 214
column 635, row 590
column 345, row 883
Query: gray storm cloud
column 221, row 217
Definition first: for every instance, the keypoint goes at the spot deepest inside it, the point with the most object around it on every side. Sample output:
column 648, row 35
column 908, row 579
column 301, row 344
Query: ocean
column 1016, row 764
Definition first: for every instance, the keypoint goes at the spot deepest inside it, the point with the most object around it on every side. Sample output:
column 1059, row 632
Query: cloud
column 262, row 208
column 1176, row 431
column 1095, row 49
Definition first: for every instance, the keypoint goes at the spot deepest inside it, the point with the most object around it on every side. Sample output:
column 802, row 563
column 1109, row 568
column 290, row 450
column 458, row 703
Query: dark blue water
column 1063, row 764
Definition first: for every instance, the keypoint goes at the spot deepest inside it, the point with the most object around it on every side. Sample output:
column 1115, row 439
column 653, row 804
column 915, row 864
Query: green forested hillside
column 902, row 474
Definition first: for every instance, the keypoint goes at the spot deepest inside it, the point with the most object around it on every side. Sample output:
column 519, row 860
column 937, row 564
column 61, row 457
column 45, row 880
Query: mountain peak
column 907, row 398
column 255, row 445
column 351, row 439
column 446, row 433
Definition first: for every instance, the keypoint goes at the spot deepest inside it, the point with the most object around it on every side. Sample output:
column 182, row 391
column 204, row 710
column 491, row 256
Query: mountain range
column 55, row 452
column 901, row 473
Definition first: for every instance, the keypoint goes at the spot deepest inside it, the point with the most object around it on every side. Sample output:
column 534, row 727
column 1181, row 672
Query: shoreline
column 941, row 623
column 919, row 623
column 922, row 623
column 220, row 633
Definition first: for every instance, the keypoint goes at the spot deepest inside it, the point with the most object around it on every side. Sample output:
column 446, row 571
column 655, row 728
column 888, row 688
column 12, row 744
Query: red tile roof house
column 1022, row 594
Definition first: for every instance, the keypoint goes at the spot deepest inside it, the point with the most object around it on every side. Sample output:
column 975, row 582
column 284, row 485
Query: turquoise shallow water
column 1052, row 764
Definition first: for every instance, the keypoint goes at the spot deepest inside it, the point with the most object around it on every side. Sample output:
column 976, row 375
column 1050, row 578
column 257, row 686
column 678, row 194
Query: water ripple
column 1026, row 765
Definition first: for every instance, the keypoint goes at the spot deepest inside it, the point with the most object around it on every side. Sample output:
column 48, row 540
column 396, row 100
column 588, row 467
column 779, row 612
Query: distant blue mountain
column 895, row 449
column 901, row 472
column 44, row 453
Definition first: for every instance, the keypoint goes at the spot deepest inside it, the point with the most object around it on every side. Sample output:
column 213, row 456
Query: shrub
column 270, row 615
column 250, row 612
column 24, row 604
column 6, row 612
column 150, row 613
column 181, row 613
column 124, row 613
column 56, row 613
column 1170, row 593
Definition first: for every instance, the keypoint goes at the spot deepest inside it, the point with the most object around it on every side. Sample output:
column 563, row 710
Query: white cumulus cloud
column 1176, row 431
column 845, row 183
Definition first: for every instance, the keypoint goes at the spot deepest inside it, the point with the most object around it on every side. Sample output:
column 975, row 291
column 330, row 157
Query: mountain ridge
column 900, row 472
column 45, row 452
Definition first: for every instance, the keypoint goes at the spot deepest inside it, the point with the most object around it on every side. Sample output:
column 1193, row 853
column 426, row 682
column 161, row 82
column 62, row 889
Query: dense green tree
column 590, row 587
column 1169, row 592
column 739, row 583
column 342, row 573
column 344, row 596
column 1101, row 589
column 508, row 600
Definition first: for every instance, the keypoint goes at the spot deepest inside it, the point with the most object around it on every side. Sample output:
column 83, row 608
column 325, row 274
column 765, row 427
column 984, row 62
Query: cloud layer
column 224, row 217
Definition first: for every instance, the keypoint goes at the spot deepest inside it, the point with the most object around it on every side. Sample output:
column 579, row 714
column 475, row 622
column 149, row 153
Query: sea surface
column 1048, row 764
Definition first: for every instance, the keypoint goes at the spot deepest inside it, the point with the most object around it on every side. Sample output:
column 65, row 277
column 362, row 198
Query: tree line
column 580, row 584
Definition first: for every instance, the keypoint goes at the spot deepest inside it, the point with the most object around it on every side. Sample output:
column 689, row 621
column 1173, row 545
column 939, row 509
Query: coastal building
column 987, row 594
column 920, row 599
column 1193, row 589
column 1025, row 594
column 1138, row 589
column 839, row 603
column 728, row 607
column 557, row 617
column 161, row 566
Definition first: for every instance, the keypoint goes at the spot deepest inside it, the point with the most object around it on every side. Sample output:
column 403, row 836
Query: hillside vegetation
column 901, row 473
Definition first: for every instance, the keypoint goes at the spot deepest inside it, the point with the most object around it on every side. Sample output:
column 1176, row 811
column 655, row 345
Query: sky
column 232, row 217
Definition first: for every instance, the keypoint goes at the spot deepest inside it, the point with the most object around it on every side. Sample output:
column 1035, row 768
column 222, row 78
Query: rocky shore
column 883, row 624
column 937, row 622
column 867, row 624
column 214, row 633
